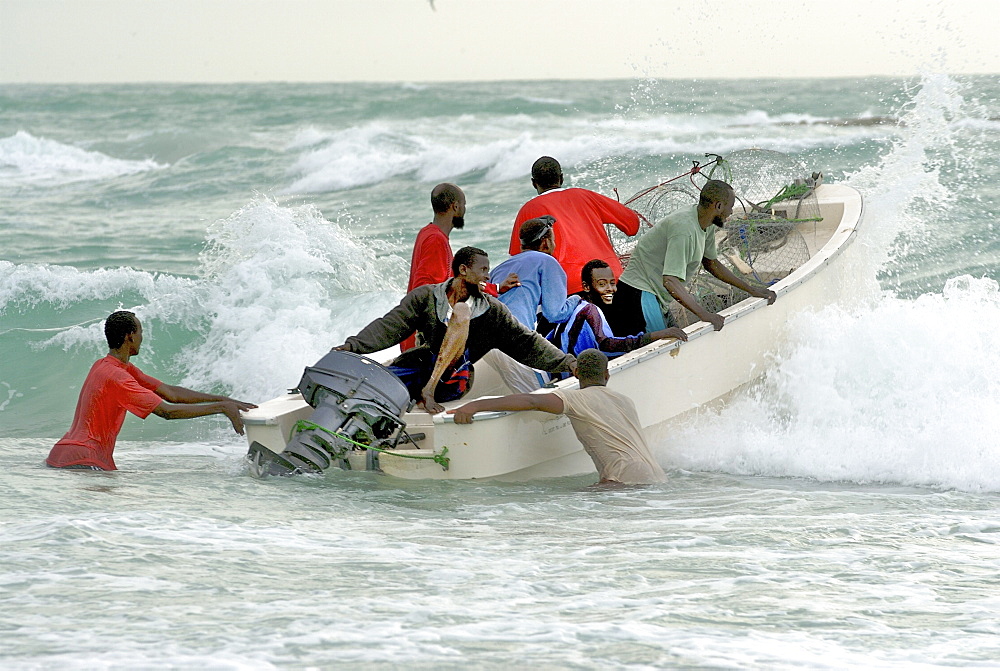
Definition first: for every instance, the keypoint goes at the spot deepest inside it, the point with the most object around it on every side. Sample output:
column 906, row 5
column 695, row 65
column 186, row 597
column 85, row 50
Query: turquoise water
column 840, row 513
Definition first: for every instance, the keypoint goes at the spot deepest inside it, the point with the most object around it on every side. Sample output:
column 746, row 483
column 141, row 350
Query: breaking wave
column 29, row 160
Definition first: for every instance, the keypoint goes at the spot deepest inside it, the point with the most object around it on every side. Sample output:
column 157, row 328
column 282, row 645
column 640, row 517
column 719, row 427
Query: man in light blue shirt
column 541, row 280
column 541, row 284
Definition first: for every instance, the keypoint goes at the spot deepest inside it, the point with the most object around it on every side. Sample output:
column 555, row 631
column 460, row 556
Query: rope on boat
column 306, row 425
column 696, row 169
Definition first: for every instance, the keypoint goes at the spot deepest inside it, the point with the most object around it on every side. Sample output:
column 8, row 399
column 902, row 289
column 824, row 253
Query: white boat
column 666, row 379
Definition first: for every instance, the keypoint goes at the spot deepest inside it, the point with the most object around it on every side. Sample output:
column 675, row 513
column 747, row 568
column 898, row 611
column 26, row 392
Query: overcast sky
column 49, row 41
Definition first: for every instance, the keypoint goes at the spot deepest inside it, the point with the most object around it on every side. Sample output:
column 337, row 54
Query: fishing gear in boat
column 358, row 407
column 655, row 202
column 762, row 241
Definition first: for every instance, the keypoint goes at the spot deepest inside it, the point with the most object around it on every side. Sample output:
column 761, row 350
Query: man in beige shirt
column 605, row 421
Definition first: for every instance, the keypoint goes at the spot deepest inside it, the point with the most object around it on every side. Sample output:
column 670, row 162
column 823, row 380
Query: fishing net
column 761, row 242
column 652, row 205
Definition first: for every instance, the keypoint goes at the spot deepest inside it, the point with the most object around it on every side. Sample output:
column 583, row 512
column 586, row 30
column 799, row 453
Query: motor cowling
column 358, row 404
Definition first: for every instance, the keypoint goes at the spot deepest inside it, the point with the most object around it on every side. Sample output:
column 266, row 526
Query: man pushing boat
column 457, row 324
column 115, row 386
column 605, row 421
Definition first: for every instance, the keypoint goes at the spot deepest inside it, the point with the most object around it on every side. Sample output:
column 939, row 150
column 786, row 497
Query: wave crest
column 26, row 159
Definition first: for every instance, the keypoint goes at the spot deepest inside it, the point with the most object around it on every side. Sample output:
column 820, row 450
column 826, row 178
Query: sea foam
column 503, row 148
column 278, row 287
column 281, row 286
column 29, row 160
column 883, row 390
column 900, row 392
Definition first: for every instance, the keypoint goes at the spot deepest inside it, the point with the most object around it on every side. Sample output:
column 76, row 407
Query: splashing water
column 282, row 286
column 888, row 390
column 29, row 160
column 278, row 287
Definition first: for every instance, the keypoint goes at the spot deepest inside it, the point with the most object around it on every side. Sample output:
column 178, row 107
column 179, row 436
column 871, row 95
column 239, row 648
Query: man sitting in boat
column 541, row 287
column 457, row 324
column 668, row 256
column 587, row 327
column 605, row 421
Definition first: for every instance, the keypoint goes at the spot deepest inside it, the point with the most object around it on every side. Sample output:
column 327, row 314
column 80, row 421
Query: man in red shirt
column 431, row 260
column 432, row 256
column 115, row 386
column 580, row 217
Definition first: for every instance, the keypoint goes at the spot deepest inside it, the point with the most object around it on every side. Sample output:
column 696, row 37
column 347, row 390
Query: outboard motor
column 358, row 404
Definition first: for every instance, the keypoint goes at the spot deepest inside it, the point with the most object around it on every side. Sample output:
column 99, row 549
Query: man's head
column 592, row 368
column 718, row 198
column 121, row 326
column 471, row 265
column 449, row 200
column 599, row 282
column 546, row 173
column 536, row 234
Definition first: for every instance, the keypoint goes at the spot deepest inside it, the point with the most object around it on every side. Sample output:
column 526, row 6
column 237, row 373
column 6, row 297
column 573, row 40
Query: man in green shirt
column 668, row 256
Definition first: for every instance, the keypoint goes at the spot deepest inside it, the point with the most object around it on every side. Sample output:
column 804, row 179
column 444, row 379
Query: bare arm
column 175, row 394
column 544, row 402
column 664, row 334
column 229, row 408
column 683, row 296
column 509, row 283
column 718, row 269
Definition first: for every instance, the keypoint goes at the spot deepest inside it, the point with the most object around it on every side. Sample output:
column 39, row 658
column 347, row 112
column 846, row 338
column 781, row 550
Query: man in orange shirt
column 580, row 217
column 115, row 386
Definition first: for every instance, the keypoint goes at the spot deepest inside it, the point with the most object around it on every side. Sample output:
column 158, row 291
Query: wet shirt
column 111, row 389
column 607, row 424
column 432, row 256
column 674, row 247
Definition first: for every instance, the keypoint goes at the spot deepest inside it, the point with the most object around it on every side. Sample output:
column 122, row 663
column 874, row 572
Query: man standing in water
column 115, row 386
column 458, row 324
column 605, row 421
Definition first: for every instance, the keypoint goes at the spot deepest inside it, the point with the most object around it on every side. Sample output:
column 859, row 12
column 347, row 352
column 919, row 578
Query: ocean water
column 841, row 513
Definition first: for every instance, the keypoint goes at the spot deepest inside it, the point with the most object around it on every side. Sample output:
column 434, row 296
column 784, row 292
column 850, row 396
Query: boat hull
column 665, row 379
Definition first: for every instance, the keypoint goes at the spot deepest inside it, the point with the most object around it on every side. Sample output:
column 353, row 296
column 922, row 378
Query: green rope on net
column 788, row 192
column 305, row 425
column 722, row 165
